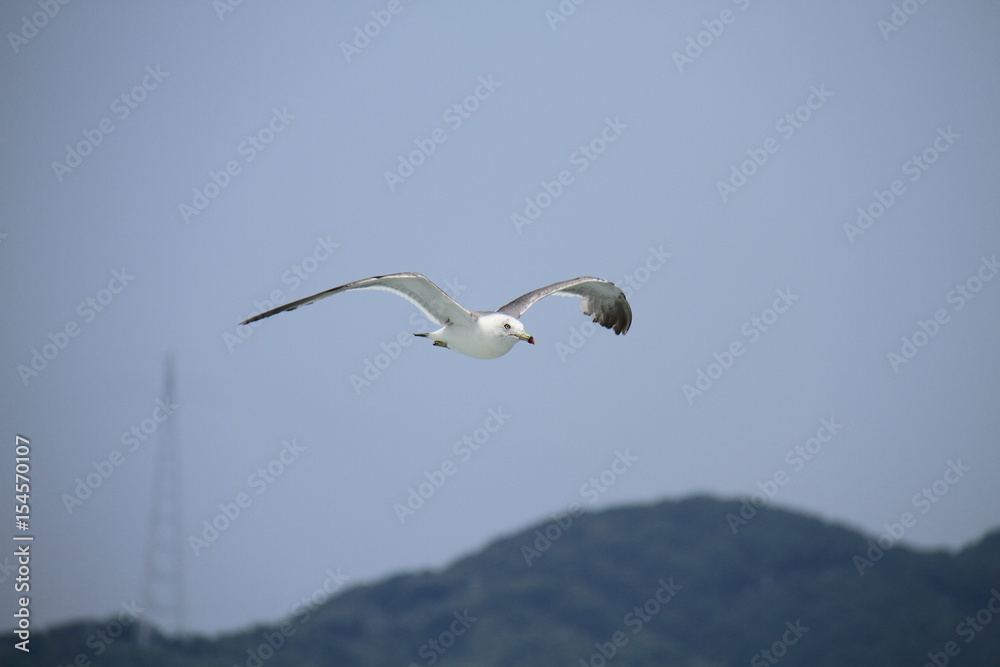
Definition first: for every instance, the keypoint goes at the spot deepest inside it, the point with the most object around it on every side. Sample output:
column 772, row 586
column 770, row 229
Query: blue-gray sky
column 710, row 157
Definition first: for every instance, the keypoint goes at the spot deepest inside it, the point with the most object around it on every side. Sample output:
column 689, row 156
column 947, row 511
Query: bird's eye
column 506, row 325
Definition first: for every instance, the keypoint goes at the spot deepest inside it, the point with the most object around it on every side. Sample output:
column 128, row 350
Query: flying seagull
column 484, row 334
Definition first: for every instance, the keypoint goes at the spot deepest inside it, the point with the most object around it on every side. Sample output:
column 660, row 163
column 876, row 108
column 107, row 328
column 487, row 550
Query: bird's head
column 511, row 327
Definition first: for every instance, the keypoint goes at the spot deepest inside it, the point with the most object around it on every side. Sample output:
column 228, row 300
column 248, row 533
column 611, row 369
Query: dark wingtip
column 617, row 318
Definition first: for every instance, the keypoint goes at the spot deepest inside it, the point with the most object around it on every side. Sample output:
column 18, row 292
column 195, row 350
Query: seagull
column 484, row 334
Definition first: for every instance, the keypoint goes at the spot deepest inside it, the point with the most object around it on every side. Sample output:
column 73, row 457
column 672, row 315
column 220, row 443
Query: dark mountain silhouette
column 697, row 582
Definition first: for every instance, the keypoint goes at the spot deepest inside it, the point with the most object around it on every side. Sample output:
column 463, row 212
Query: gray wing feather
column 601, row 299
column 413, row 287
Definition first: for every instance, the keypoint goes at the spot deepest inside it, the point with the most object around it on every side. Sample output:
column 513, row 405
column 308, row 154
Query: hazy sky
column 799, row 198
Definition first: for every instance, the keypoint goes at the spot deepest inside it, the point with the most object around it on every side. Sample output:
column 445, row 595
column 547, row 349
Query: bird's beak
column 525, row 336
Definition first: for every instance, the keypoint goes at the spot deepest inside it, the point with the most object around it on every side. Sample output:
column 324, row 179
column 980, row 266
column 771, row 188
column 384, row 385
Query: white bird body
column 491, row 336
column 484, row 334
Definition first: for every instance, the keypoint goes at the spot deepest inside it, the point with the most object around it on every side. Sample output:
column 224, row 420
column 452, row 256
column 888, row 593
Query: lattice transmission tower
column 163, row 580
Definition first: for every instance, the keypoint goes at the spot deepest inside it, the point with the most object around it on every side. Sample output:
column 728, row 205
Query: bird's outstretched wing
column 601, row 299
column 413, row 287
